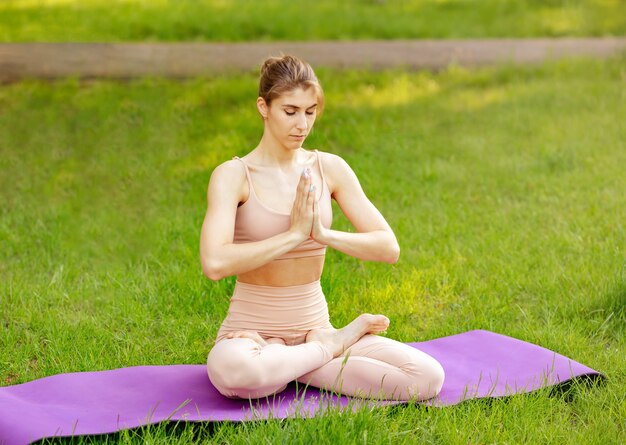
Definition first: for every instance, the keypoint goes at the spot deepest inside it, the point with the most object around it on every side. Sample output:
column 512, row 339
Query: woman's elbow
column 394, row 254
column 212, row 269
column 213, row 275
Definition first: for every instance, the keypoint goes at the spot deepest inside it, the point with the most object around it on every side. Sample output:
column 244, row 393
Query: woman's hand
column 302, row 210
column 318, row 232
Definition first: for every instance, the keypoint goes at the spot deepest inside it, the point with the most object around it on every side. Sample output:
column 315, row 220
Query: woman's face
column 290, row 116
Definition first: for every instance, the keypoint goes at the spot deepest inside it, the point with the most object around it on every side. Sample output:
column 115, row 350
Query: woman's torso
column 274, row 193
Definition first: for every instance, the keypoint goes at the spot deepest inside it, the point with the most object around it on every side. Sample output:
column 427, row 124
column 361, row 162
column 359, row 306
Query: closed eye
column 292, row 113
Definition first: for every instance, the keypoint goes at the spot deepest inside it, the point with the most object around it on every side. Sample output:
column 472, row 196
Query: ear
column 262, row 106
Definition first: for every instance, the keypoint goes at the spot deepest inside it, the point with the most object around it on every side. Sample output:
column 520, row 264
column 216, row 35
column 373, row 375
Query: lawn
column 505, row 187
column 243, row 20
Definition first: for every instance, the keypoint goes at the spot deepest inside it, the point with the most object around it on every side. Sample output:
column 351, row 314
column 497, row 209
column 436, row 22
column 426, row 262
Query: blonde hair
column 287, row 73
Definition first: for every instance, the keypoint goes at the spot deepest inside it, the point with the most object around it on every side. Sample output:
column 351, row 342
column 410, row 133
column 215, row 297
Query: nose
column 301, row 123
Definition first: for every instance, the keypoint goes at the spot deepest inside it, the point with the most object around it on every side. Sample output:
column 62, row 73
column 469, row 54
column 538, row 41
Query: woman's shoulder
column 329, row 159
column 229, row 167
column 332, row 163
column 229, row 179
column 229, row 174
column 336, row 169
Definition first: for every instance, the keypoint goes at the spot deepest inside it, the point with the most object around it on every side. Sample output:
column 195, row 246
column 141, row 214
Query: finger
column 316, row 216
column 309, row 180
column 311, row 197
column 305, row 174
column 303, row 185
column 306, row 192
column 314, row 204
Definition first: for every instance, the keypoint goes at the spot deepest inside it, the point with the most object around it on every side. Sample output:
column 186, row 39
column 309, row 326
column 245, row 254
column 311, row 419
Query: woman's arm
column 375, row 241
column 219, row 256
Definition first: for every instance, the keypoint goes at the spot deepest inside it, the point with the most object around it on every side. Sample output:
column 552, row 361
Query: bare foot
column 338, row 340
column 253, row 335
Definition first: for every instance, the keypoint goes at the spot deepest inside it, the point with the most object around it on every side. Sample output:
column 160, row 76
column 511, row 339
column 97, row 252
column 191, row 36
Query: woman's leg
column 250, row 366
column 382, row 368
column 242, row 367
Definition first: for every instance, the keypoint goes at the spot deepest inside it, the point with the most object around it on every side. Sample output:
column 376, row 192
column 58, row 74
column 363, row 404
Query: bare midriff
column 287, row 272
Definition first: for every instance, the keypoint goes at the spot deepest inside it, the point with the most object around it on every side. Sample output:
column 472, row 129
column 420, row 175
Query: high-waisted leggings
column 375, row 366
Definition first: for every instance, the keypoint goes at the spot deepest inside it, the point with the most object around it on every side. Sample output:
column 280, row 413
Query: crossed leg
column 381, row 368
column 246, row 365
column 240, row 367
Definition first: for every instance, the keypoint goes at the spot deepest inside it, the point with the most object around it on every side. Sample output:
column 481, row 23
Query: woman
column 268, row 222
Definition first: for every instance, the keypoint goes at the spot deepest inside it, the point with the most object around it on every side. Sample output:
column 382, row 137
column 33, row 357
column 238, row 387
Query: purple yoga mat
column 477, row 364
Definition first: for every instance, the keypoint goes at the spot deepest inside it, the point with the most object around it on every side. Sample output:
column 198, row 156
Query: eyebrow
column 297, row 107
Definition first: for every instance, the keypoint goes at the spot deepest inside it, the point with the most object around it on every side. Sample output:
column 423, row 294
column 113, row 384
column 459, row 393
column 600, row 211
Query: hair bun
column 267, row 63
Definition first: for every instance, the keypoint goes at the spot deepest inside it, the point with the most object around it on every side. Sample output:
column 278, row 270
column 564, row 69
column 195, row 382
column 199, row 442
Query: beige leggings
column 375, row 367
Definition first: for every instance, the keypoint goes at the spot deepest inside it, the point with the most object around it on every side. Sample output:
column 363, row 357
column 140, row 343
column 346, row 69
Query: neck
column 272, row 152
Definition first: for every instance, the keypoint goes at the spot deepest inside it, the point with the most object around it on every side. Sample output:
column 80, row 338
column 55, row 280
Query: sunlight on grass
column 562, row 21
column 402, row 89
column 209, row 157
column 474, row 100
column 423, row 297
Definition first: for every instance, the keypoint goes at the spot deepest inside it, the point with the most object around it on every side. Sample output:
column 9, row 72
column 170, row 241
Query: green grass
column 245, row 20
column 505, row 187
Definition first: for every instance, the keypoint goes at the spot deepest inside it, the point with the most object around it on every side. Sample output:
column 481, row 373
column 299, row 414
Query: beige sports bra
column 255, row 221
